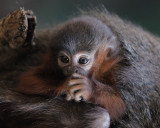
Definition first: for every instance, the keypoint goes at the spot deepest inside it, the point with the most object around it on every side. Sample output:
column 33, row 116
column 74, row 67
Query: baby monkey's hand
column 79, row 88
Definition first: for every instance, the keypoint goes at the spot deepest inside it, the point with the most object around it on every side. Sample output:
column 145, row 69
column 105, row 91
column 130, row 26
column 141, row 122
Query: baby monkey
column 80, row 63
column 79, row 86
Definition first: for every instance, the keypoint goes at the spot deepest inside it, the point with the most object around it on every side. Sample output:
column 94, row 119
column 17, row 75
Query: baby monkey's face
column 80, row 62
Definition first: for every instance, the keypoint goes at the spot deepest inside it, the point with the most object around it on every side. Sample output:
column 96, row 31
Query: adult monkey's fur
column 138, row 79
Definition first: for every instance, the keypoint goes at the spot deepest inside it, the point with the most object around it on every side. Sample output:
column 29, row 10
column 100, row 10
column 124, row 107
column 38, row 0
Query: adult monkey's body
column 77, row 64
column 137, row 78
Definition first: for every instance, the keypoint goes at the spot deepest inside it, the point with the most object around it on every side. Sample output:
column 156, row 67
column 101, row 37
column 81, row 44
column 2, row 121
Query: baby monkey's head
column 76, row 43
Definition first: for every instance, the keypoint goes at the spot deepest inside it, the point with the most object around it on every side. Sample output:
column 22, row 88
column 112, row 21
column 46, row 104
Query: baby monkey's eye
column 64, row 59
column 83, row 60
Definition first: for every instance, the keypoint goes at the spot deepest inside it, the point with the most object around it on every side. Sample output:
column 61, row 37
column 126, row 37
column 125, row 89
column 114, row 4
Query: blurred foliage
column 145, row 13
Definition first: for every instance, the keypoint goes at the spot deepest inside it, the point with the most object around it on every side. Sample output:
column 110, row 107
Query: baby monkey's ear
column 108, row 50
column 112, row 47
column 106, row 57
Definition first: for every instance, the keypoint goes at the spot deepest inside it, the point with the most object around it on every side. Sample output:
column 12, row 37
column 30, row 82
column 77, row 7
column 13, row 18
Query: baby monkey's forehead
column 81, row 34
column 83, row 29
column 78, row 47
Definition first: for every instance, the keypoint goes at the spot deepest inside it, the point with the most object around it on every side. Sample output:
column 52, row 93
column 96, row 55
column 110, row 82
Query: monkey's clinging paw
column 79, row 88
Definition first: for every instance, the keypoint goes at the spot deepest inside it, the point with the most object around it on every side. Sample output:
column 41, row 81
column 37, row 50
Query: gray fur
column 138, row 80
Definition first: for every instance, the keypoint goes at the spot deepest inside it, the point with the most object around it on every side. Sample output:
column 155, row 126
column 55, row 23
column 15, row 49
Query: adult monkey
column 137, row 76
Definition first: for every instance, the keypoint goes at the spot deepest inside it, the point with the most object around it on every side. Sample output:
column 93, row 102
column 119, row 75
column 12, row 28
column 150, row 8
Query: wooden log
column 17, row 29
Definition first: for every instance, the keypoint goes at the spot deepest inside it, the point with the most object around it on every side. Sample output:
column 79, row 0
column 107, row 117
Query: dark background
column 145, row 13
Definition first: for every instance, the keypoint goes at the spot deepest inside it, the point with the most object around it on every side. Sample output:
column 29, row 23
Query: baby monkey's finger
column 76, row 88
column 77, row 76
column 74, row 82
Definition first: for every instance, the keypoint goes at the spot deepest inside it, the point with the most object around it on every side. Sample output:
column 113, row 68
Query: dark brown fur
column 136, row 75
column 48, row 78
